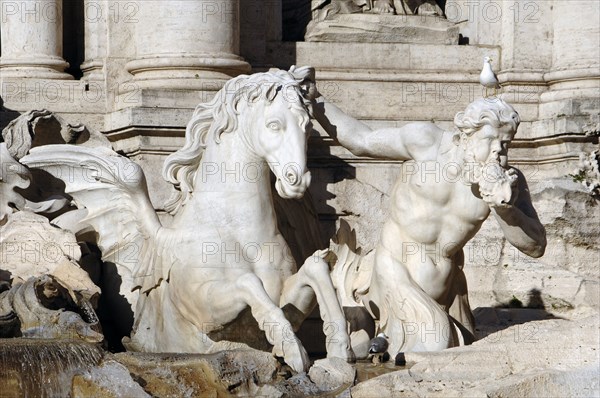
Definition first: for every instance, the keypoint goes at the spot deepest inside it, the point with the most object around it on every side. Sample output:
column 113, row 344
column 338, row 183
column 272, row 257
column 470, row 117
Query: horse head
column 269, row 112
column 276, row 125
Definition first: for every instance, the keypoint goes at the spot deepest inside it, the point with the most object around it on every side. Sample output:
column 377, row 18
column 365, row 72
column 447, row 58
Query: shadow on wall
column 307, row 224
column 314, row 223
column 296, row 15
column 502, row 316
column 73, row 37
column 114, row 311
column 6, row 116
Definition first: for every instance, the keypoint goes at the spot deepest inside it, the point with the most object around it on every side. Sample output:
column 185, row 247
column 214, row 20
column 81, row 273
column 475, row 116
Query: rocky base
column 242, row 373
column 525, row 353
column 548, row 358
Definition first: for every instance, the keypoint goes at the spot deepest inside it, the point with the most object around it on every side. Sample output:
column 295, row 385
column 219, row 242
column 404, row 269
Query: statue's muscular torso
column 433, row 214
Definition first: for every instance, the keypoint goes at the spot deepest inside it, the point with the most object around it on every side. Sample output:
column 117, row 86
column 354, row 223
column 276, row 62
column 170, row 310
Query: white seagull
column 488, row 78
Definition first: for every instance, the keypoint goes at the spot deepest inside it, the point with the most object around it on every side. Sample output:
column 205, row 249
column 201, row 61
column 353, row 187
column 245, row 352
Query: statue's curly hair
column 219, row 116
column 495, row 112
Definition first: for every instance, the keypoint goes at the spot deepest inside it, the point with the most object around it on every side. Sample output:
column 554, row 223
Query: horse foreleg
column 299, row 290
column 272, row 321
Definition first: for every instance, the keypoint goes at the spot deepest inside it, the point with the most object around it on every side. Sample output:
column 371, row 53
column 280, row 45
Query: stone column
column 576, row 55
column 187, row 43
column 571, row 101
column 32, row 39
column 569, row 108
column 97, row 16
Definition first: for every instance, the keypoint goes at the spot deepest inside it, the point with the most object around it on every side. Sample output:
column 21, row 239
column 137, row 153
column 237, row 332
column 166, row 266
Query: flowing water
column 43, row 368
column 366, row 370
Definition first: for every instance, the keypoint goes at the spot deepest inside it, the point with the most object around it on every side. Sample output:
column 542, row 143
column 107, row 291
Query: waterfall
column 43, row 368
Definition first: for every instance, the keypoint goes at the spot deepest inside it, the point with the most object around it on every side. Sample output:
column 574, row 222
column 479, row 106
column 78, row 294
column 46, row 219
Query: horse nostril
column 291, row 177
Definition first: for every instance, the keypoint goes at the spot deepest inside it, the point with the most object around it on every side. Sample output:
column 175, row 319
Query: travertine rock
column 332, row 374
column 234, row 372
column 531, row 359
column 108, row 380
column 47, row 309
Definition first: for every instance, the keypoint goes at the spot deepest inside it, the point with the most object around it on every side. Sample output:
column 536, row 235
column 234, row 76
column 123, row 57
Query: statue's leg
column 160, row 327
column 298, row 299
column 456, row 300
column 460, row 309
column 411, row 319
column 400, row 7
column 217, row 302
column 272, row 321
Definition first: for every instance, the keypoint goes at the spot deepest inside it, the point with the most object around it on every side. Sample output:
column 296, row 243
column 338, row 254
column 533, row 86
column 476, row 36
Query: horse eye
column 274, row 125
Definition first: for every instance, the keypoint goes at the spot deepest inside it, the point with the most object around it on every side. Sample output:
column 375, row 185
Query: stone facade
column 135, row 70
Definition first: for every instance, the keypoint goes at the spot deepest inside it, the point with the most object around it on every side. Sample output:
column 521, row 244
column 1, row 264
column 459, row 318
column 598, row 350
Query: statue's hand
column 513, row 178
column 306, row 75
column 498, row 186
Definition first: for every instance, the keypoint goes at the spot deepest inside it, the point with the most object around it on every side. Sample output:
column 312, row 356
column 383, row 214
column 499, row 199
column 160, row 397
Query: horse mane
column 219, row 116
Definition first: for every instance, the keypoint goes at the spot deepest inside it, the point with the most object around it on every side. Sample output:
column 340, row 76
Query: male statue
column 448, row 185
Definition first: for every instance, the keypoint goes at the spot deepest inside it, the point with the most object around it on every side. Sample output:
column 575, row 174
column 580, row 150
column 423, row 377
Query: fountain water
column 43, row 368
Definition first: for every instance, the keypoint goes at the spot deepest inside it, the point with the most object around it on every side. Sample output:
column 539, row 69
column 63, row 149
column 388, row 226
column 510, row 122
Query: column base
column 191, row 72
column 38, row 68
column 93, row 70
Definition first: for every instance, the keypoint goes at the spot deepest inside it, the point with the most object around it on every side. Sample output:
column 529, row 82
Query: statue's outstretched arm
column 412, row 141
column 350, row 133
column 520, row 223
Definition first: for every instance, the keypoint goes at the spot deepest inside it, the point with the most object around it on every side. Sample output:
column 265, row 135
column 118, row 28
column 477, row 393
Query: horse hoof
column 295, row 355
column 383, row 7
column 346, row 353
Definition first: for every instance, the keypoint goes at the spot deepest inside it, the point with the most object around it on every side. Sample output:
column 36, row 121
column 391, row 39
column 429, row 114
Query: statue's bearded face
column 489, row 145
column 486, row 152
column 486, row 161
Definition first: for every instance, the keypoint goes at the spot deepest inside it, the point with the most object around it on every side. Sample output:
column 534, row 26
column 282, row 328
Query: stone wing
column 111, row 195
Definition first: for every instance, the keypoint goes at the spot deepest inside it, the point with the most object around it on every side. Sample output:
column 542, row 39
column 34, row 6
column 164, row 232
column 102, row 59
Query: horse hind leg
column 299, row 292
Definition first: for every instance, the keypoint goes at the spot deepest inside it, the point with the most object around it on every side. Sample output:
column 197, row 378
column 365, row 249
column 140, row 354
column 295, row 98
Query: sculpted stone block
column 44, row 293
column 46, row 308
column 369, row 28
column 373, row 21
column 36, row 128
column 12, row 176
column 31, row 247
column 421, row 7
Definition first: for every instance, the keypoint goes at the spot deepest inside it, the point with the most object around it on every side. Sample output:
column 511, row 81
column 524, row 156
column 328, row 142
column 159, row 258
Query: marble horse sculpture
column 222, row 255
